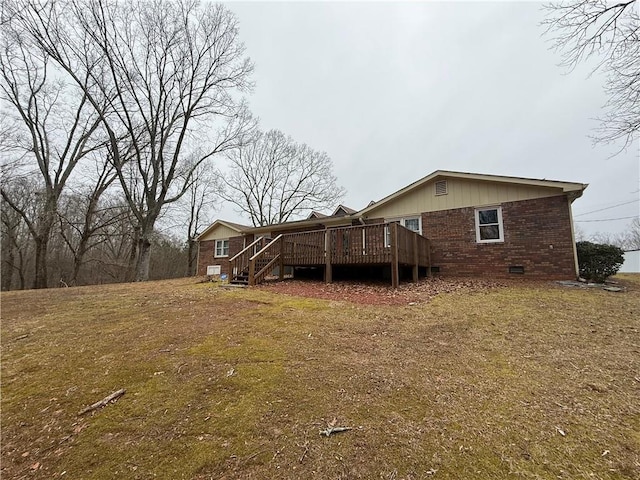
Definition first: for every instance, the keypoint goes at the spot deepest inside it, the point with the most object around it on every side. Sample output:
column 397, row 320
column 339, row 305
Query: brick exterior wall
column 206, row 254
column 537, row 236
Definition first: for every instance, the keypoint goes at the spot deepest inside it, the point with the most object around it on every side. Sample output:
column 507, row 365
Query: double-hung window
column 222, row 248
column 489, row 227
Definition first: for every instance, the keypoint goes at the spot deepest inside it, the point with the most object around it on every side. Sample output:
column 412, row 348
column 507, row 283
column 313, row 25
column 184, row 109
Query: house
column 631, row 262
column 448, row 223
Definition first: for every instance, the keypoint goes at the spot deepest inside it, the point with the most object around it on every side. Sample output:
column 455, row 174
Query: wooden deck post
column 429, row 274
column 252, row 272
column 415, row 258
column 328, row 274
column 395, row 273
column 281, row 264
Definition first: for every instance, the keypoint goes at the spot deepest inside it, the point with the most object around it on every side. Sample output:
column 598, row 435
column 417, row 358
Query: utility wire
column 607, row 219
column 607, row 208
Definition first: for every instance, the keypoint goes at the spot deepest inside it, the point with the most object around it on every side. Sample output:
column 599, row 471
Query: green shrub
column 597, row 261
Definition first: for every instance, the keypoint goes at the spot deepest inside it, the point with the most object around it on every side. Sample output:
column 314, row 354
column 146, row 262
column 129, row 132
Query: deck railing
column 361, row 244
column 264, row 262
column 239, row 263
column 304, row 248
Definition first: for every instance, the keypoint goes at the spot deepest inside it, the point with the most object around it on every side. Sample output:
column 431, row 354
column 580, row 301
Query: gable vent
column 441, row 187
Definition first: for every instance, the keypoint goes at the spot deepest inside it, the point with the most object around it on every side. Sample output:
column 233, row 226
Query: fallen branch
column 304, row 454
column 22, row 337
column 111, row 398
column 331, row 430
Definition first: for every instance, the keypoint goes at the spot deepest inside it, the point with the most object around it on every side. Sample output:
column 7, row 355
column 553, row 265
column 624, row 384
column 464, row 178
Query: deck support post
column 415, row 258
column 395, row 272
column 281, row 264
column 252, row 272
column 328, row 274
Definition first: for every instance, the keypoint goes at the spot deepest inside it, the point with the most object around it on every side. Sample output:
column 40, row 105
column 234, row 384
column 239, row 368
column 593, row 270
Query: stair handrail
column 254, row 277
column 266, row 247
column 245, row 249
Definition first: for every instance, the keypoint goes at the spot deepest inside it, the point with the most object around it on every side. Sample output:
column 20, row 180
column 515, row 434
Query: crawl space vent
column 441, row 187
column 516, row 269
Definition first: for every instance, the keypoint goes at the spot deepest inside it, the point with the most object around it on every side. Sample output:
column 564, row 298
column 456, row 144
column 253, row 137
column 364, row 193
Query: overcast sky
column 394, row 91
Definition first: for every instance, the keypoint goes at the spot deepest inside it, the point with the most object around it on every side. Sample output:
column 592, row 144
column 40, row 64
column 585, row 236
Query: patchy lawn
column 518, row 380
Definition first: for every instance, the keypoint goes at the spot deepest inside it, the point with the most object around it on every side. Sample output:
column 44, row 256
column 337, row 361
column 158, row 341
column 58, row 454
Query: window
column 489, row 225
column 411, row 223
column 222, row 248
column 387, row 233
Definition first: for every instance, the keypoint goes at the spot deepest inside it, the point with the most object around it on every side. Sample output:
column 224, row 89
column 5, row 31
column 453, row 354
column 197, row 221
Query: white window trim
column 401, row 221
column 215, row 249
column 500, row 224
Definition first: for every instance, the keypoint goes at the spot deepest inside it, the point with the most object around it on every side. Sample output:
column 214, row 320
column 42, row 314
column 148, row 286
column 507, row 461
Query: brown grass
column 515, row 381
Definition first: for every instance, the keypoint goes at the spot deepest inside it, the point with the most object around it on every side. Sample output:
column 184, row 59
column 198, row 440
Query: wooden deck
column 378, row 244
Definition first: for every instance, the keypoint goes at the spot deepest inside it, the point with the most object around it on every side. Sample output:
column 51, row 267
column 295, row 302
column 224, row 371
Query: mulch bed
column 379, row 293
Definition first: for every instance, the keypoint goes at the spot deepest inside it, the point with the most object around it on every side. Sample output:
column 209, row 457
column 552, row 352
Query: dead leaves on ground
column 369, row 293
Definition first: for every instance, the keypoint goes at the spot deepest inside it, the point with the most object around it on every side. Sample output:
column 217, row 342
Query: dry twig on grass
column 108, row 399
column 331, row 429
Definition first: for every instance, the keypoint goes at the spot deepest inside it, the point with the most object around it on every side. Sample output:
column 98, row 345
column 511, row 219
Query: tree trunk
column 191, row 257
column 21, row 271
column 78, row 258
column 143, row 259
column 40, row 278
column 133, row 254
column 8, row 270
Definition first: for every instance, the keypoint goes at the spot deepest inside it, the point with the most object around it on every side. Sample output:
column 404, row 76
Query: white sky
column 394, row 91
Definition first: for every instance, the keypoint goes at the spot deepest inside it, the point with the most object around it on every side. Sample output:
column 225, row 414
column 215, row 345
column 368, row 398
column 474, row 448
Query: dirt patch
column 381, row 294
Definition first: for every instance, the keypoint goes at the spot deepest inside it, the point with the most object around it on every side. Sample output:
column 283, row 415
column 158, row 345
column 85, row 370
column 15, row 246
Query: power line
column 607, row 208
column 607, row 219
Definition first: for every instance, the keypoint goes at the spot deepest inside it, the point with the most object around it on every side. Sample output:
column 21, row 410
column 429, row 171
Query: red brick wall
column 206, row 254
column 537, row 236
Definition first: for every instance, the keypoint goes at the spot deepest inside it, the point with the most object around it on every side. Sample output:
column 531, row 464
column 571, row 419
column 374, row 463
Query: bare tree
column 634, row 235
column 628, row 239
column 610, row 32
column 274, row 179
column 58, row 133
column 82, row 217
column 170, row 71
column 15, row 244
column 200, row 202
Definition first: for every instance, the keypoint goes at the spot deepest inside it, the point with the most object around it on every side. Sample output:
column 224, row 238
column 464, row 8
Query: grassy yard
column 525, row 380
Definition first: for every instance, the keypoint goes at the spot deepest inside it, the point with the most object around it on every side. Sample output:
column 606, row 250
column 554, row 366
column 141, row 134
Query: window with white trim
column 489, row 227
column 411, row 223
column 222, row 248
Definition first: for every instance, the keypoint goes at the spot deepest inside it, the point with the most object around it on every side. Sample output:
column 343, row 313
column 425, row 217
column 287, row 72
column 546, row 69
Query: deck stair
column 250, row 267
column 239, row 263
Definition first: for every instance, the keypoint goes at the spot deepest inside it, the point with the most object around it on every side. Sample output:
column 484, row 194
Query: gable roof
column 573, row 189
column 233, row 226
column 345, row 210
column 315, row 214
column 344, row 214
